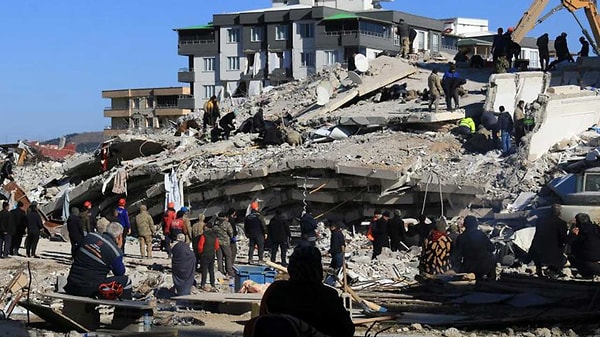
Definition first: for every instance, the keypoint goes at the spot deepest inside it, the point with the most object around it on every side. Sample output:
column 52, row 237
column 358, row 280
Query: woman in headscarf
column 435, row 256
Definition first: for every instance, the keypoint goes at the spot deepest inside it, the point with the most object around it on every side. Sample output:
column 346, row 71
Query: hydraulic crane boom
column 530, row 19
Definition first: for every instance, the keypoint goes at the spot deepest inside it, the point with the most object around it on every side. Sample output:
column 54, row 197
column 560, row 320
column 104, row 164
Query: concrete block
column 563, row 116
column 508, row 89
column 329, row 183
column 155, row 190
column 404, row 199
column 252, row 173
column 529, row 86
column 243, row 188
column 372, row 172
column 564, row 90
column 212, row 194
column 218, row 175
column 363, row 120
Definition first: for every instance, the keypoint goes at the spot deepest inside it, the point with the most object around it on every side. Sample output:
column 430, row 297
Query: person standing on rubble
column 308, row 227
column 183, row 265
column 279, row 232
column 473, row 252
column 585, row 246
column 548, row 244
column 336, row 245
column 435, row 255
column 585, row 47
column 34, row 227
column 177, row 227
column 380, row 234
column 562, row 51
column 424, row 226
column 145, row 230
column 88, row 219
column 211, row 113
column 18, row 219
column 396, row 231
column 5, row 231
column 75, row 228
column 519, row 116
column 403, row 31
column 232, row 217
column 450, row 83
column 227, row 123
column 542, row 44
column 434, row 83
column 197, row 231
column 208, row 245
column 224, row 232
column 168, row 217
column 255, row 228
column 187, row 223
column 123, row 216
column 98, row 255
column 505, row 125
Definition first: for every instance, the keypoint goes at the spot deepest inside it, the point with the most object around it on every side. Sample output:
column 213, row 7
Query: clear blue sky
column 57, row 56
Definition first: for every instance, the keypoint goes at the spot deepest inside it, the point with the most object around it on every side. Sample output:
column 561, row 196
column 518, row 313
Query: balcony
column 198, row 47
column 186, row 75
column 116, row 112
column 170, row 110
column 186, row 102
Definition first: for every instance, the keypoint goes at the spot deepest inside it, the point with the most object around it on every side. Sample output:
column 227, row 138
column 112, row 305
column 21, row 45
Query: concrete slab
column 363, row 120
column 562, row 116
column 508, row 89
column 243, row 188
column 324, row 197
column 407, row 117
column 372, row 172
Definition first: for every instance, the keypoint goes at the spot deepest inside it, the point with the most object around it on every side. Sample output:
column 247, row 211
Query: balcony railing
column 166, row 106
column 195, row 42
column 109, row 108
column 186, row 70
column 355, row 32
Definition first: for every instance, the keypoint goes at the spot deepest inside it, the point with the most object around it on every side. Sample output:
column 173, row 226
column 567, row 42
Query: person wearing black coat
column 17, row 227
column 548, row 244
column 380, row 233
column 75, row 228
column 336, row 245
column 585, row 246
column 308, row 227
column 505, row 125
column 5, row 236
column 473, row 252
column 34, row 227
column 256, row 231
column 279, row 232
column 423, row 228
column 183, row 265
column 396, row 231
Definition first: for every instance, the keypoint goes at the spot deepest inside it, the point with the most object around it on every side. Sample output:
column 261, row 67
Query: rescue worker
column 197, row 230
column 396, row 231
column 380, row 234
column 98, row 254
column 177, row 226
column 75, row 229
column 145, row 230
column 450, row 83
column 403, row 32
column 306, row 298
column 279, row 233
column 187, row 222
column 308, row 227
column 256, row 231
column 466, row 127
column 498, row 45
column 562, row 51
column 337, row 244
column 227, row 123
column 211, row 113
column 224, row 232
column 473, row 252
column 123, row 216
column 208, row 245
column 17, row 226
column 505, row 125
column 542, row 44
column 434, row 83
column 88, row 220
column 34, row 227
column 169, row 215
column 519, row 119
column 585, row 47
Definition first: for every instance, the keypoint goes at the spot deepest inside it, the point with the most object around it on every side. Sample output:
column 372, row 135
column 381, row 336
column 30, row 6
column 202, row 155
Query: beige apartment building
column 145, row 109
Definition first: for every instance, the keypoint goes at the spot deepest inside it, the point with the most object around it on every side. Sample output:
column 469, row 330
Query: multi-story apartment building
column 239, row 53
column 145, row 108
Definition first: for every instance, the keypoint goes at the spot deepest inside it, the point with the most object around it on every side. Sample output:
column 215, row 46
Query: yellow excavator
column 531, row 18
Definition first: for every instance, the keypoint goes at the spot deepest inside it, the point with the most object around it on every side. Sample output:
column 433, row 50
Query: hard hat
column 122, row 202
column 87, row 204
column 511, row 29
column 171, row 205
column 254, row 205
column 184, row 209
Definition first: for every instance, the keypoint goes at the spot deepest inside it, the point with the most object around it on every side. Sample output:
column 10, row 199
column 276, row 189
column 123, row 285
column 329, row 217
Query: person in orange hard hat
column 168, row 217
column 123, row 217
column 255, row 228
column 88, row 218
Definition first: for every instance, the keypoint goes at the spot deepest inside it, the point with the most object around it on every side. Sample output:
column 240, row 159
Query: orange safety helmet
column 122, row 202
column 87, row 204
column 171, row 205
column 254, row 205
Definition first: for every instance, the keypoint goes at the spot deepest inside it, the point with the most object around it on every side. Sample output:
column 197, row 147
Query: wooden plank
column 115, row 303
column 361, row 321
column 222, row 297
column 53, row 317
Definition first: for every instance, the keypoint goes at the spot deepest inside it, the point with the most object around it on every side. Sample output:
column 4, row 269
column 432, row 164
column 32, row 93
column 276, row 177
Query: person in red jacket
column 168, row 217
column 208, row 245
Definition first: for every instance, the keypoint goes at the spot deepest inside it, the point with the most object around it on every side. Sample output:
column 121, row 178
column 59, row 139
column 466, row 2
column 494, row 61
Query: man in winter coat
column 585, row 246
column 75, row 229
column 380, row 234
column 279, row 232
column 505, row 125
column 473, row 252
column 145, row 230
column 123, row 216
column 224, row 232
column 450, row 83
column 5, row 234
column 308, row 227
column 403, row 32
column 168, row 217
column 256, row 230
column 548, row 244
column 542, row 44
column 88, row 219
column 17, row 227
column 34, row 227
column 434, row 84
column 208, row 245
column 336, row 245
column 396, row 231
column 183, row 265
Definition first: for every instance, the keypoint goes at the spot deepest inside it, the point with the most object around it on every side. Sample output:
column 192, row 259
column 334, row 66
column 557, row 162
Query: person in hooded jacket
column 145, row 230
column 548, row 244
column 208, row 245
column 279, row 232
column 224, row 232
column 183, row 265
column 34, row 227
column 75, row 228
column 17, row 227
column 473, row 252
column 585, row 246
column 396, row 231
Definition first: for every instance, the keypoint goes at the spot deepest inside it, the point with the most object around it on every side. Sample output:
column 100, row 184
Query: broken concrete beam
column 324, row 197
column 563, row 114
column 155, row 190
column 327, row 183
column 447, row 188
column 243, row 188
column 371, row 172
column 306, row 163
column 404, row 199
column 408, row 117
column 363, row 120
column 252, row 173
column 508, row 89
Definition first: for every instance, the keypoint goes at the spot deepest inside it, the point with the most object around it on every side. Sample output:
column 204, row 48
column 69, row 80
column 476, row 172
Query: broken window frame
column 331, row 57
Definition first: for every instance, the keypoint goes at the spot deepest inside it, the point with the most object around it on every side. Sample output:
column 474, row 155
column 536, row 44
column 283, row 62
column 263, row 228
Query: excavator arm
column 530, row 18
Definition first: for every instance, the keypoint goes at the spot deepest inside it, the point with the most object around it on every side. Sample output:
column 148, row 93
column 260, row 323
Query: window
column 330, row 57
column 256, row 34
column 209, row 91
column 306, row 30
column 209, row 64
column 421, row 40
column 591, row 182
column 233, row 63
column 281, row 32
column 307, row 59
column 435, row 42
column 233, row 35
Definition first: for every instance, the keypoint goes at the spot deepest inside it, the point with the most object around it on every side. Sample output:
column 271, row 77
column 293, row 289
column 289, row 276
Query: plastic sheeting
column 173, row 190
